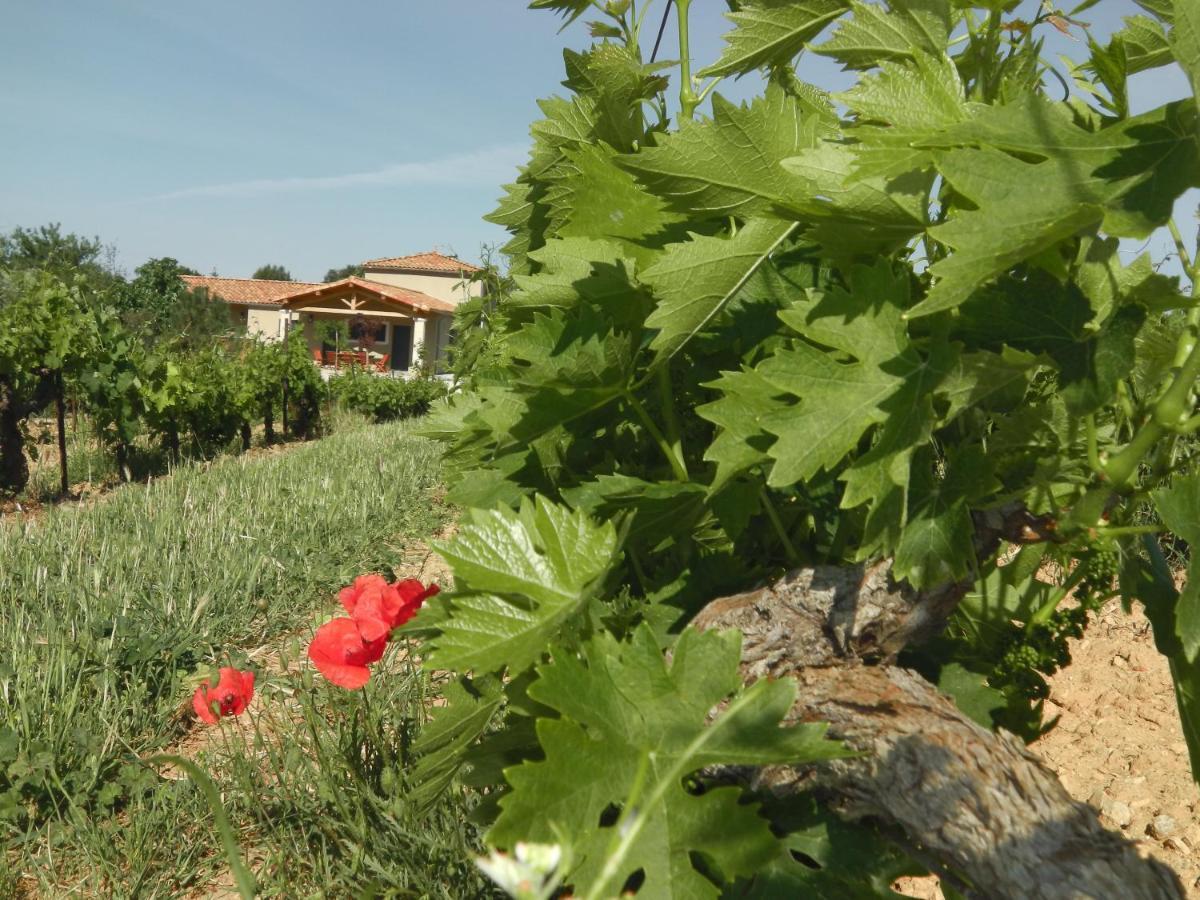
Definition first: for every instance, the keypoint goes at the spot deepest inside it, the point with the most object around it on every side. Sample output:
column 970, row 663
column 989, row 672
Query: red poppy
column 341, row 652
column 378, row 607
column 362, row 584
column 229, row 698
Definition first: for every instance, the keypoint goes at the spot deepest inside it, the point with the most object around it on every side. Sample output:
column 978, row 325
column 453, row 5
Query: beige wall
column 450, row 288
column 263, row 322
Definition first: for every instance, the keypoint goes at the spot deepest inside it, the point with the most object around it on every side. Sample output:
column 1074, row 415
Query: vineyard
column 149, row 404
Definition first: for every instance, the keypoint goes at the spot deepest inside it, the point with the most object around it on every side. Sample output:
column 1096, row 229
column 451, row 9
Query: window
column 367, row 330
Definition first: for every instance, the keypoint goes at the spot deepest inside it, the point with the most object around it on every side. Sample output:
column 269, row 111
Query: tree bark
column 975, row 802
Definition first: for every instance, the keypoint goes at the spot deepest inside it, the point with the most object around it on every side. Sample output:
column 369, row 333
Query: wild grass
column 110, row 613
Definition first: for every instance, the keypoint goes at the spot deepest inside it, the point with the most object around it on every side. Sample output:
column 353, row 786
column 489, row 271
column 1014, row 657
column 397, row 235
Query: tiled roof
column 424, row 262
column 410, row 298
column 247, row 291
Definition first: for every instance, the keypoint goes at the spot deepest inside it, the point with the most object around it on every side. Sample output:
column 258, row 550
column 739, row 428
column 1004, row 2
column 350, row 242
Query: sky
column 309, row 133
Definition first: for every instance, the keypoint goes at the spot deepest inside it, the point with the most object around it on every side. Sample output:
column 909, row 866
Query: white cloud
column 488, row 166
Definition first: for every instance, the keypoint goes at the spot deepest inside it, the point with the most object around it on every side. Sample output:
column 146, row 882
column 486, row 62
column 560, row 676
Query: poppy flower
column 378, row 607
column 229, row 698
column 341, row 652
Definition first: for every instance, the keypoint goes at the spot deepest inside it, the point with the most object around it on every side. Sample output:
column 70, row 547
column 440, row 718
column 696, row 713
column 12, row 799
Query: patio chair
column 381, row 364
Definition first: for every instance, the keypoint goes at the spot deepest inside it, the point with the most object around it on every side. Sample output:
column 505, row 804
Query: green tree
column 154, row 291
column 272, row 272
column 355, row 270
column 67, row 256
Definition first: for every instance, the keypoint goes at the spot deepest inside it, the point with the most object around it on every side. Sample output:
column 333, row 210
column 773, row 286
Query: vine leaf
column 874, row 33
column 1185, row 40
column 729, row 165
column 1145, row 43
column 1179, row 506
column 694, row 280
column 936, row 545
column 745, row 403
column 662, row 510
column 771, row 32
column 470, row 708
column 1040, row 209
column 519, row 576
column 632, row 727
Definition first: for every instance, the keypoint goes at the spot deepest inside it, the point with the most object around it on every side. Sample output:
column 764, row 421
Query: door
column 401, row 347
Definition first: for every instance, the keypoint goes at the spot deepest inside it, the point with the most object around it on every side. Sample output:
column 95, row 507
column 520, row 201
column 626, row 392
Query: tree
column 273, row 273
column 344, row 272
column 154, row 290
column 67, row 256
column 158, row 304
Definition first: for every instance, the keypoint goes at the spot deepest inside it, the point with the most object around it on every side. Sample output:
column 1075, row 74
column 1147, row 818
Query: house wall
column 263, row 322
column 450, row 288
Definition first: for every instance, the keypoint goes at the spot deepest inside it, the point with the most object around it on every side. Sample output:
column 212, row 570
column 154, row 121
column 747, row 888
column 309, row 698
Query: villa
column 398, row 313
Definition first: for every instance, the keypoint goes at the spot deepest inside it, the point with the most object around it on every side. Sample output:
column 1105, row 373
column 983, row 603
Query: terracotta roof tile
column 424, row 262
column 410, row 298
column 247, row 291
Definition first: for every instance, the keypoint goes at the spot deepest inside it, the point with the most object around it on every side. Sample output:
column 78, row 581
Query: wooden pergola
column 396, row 315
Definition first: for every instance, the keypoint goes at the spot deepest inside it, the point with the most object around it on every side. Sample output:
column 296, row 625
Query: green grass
column 109, row 612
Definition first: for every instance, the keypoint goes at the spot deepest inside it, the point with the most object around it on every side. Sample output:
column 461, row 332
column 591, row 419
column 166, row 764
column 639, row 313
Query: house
column 398, row 312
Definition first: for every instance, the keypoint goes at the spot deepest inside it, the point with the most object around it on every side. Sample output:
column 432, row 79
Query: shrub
column 385, row 399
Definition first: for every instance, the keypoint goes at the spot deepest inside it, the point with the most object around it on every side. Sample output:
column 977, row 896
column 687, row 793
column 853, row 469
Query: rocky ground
column 1119, row 746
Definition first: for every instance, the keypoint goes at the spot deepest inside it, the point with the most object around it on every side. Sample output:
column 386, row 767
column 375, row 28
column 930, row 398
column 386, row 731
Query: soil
column 1118, row 744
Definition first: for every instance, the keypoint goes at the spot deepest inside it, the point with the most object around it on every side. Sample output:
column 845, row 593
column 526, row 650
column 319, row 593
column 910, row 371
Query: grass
column 110, row 613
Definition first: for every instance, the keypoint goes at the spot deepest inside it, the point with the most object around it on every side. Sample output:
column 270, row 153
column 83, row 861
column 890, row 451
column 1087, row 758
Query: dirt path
column 1119, row 745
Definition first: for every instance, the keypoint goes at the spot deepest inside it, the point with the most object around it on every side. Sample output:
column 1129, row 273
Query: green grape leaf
column 591, row 197
column 771, row 32
column 568, row 9
column 576, row 271
column 1089, row 372
column 729, row 165
column 1179, row 507
column 1145, row 43
column 662, row 509
column 693, row 281
column 822, row 856
column 854, row 214
column 632, row 727
column 841, row 401
column 936, row 545
column 912, row 99
column 747, row 400
column 875, row 33
column 470, row 708
column 970, row 693
column 519, row 576
column 1185, row 40
column 1039, row 210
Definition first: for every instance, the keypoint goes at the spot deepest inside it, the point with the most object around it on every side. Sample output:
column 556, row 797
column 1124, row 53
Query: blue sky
column 307, row 133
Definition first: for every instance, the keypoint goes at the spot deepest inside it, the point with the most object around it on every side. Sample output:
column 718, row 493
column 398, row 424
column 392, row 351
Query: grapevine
column 853, row 370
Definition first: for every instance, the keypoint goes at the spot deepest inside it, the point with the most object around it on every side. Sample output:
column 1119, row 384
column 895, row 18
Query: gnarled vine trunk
column 14, row 409
column 975, row 803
